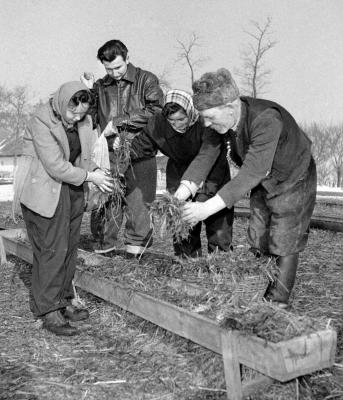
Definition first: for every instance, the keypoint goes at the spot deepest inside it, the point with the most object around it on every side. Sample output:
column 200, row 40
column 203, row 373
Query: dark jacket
column 270, row 149
column 197, row 143
column 130, row 101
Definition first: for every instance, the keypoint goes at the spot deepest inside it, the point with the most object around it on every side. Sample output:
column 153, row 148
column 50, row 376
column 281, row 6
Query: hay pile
column 266, row 320
column 165, row 213
column 228, row 287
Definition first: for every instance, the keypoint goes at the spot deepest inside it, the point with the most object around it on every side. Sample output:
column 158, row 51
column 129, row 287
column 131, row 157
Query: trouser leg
column 219, row 230
column 191, row 246
column 105, row 225
column 76, row 214
column 50, row 238
column 141, row 191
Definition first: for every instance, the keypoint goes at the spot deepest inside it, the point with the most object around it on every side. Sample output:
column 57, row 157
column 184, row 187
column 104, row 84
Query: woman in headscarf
column 179, row 134
column 55, row 164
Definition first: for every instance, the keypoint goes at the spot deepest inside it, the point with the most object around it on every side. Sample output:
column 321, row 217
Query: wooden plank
column 290, row 358
column 231, row 366
column 327, row 223
column 282, row 361
column 16, row 243
column 318, row 221
column 195, row 327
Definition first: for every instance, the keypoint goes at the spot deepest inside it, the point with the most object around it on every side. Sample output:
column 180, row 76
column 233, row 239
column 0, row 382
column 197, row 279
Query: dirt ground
column 120, row 356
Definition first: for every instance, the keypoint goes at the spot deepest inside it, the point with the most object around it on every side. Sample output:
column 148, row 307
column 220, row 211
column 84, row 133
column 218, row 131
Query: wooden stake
column 231, row 366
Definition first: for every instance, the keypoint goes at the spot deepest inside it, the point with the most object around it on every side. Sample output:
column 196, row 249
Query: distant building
column 6, row 167
column 10, row 149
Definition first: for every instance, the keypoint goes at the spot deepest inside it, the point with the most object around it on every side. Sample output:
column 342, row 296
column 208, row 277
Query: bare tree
column 13, row 114
column 319, row 134
column 336, row 151
column 186, row 54
column 163, row 79
column 19, row 102
column 254, row 75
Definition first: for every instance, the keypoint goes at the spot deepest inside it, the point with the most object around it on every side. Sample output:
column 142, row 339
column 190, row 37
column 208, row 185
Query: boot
column 55, row 322
column 280, row 291
column 75, row 314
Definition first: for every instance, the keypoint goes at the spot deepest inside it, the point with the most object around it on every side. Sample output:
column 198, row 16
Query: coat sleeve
column 137, row 118
column 265, row 133
column 202, row 164
column 51, row 155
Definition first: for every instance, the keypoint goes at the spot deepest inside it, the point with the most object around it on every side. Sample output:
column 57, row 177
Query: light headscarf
column 184, row 100
column 62, row 97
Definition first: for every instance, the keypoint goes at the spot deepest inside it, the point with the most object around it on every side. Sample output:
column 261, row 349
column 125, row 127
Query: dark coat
column 182, row 149
column 130, row 101
column 270, row 149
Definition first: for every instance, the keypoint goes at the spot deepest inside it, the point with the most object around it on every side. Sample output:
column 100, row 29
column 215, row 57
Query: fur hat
column 214, row 89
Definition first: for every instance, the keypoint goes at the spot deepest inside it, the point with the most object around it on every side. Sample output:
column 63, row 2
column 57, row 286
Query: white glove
column 110, row 130
column 116, row 143
column 182, row 192
column 88, row 79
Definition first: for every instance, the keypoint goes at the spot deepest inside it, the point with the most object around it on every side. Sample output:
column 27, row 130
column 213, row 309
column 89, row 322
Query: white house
column 6, row 167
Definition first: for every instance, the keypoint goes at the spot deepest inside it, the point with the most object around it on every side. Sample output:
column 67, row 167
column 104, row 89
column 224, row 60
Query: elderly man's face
column 221, row 118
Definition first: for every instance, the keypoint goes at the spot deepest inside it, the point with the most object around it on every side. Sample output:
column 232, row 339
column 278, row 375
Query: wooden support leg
column 231, row 366
column 3, row 259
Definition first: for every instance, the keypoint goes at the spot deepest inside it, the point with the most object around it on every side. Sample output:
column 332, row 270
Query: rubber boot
column 281, row 290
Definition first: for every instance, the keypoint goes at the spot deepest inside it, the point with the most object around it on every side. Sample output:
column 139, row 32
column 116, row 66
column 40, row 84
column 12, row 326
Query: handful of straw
column 121, row 162
column 166, row 216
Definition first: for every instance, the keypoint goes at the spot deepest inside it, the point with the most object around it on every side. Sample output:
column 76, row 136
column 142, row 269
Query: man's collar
column 130, row 73
column 240, row 122
column 129, row 76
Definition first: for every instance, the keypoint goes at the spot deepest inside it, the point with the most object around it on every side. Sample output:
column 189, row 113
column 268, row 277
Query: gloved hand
column 110, row 130
column 182, row 192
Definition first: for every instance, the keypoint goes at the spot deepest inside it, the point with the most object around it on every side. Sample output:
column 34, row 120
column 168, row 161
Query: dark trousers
column 218, row 232
column 54, row 243
column 280, row 225
column 140, row 191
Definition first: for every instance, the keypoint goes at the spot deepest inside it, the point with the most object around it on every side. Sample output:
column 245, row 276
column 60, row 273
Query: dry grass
column 166, row 217
column 120, row 356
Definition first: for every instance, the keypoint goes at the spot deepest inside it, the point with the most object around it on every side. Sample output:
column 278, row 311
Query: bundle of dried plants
column 166, row 217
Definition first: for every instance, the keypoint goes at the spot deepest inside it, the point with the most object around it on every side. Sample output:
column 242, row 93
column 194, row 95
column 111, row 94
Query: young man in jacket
column 276, row 165
column 126, row 97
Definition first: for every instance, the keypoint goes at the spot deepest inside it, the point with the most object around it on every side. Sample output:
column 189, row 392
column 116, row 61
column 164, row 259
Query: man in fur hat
column 276, row 167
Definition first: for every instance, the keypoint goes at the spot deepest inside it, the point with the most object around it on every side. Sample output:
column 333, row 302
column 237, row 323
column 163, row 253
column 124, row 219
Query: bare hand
column 195, row 212
column 102, row 179
column 88, row 79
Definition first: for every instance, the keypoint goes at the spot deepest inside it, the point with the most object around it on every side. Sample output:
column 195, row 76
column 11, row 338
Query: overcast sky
column 45, row 43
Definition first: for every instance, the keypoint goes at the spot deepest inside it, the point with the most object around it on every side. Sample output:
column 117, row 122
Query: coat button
column 33, row 180
column 54, row 190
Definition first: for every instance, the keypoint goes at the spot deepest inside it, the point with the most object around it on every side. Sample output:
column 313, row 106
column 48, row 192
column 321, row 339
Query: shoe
column 55, row 322
column 103, row 249
column 75, row 314
column 131, row 256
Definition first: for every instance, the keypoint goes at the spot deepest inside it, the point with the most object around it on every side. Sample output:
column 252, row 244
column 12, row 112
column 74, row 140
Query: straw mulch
column 120, row 356
column 166, row 217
